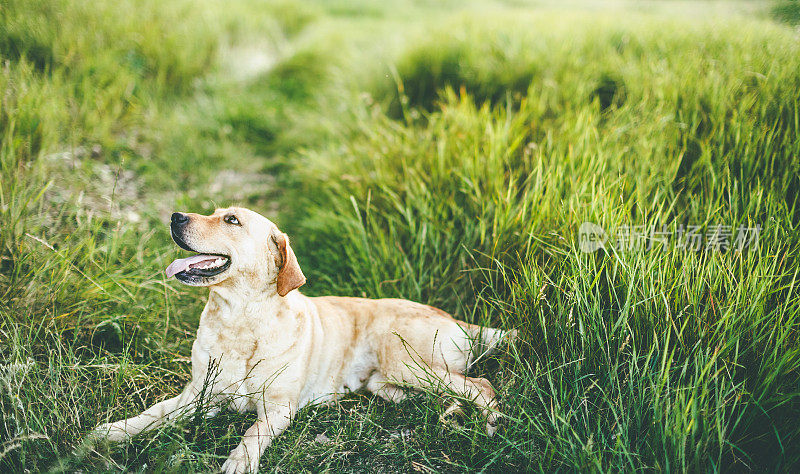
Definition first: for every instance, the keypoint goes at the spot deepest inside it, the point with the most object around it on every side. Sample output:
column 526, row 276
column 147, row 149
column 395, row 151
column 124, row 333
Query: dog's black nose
column 179, row 218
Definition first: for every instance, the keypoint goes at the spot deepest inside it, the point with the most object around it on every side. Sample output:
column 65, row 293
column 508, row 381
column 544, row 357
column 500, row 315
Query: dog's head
column 234, row 245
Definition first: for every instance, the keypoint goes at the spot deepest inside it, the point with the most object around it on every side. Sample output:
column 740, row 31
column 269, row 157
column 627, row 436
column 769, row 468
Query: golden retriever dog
column 263, row 346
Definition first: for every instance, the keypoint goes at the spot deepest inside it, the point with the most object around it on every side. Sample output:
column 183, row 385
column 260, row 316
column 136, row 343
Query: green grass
column 445, row 153
column 787, row 11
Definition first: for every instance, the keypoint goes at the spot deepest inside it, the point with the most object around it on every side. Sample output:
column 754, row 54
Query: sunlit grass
column 448, row 160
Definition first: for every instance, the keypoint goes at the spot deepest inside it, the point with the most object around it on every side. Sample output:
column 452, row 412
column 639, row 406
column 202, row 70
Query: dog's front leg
column 271, row 423
column 149, row 419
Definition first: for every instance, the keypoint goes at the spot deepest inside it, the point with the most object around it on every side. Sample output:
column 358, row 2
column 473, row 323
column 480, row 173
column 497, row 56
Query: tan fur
column 263, row 346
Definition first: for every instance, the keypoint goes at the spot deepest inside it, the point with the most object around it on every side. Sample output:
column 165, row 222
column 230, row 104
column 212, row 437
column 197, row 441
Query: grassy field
column 445, row 152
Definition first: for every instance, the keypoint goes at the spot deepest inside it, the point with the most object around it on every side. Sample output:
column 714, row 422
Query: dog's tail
column 487, row 340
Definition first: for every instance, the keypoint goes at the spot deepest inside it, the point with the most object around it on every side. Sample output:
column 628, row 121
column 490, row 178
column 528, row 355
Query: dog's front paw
column 107, row 432
column 239, row 462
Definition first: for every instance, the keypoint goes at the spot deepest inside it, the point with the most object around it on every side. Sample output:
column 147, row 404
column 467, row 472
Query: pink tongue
column 182, row 264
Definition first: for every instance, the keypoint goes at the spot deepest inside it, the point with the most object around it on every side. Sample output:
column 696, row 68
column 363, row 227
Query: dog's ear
column 290, row 276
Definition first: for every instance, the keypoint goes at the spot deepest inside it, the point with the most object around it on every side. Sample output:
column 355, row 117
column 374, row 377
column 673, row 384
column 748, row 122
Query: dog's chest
column 239, row 353
column 224, row 359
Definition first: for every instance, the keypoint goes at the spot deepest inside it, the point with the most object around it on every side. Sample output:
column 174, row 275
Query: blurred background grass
column 444, row 152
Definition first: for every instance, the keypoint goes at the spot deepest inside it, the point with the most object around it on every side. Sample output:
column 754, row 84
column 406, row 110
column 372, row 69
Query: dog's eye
column 231, row 219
